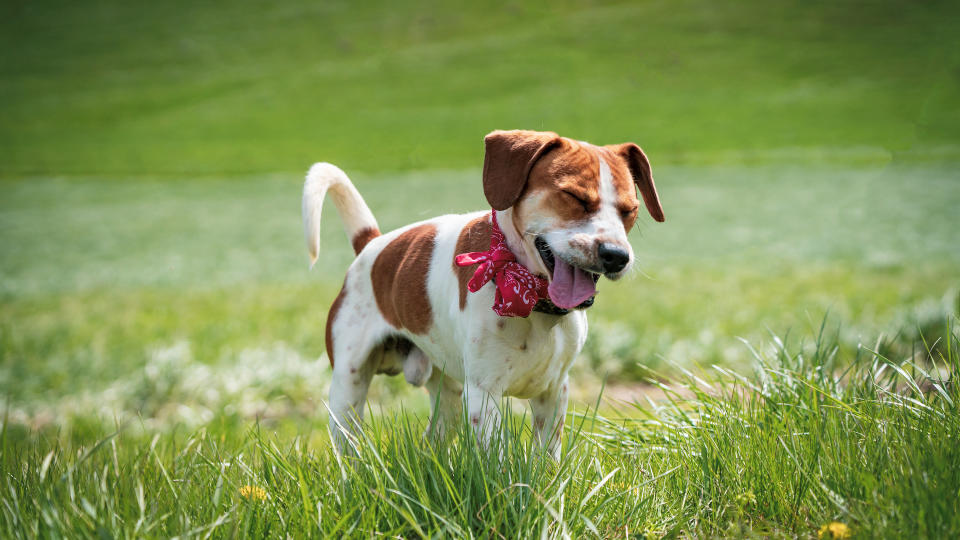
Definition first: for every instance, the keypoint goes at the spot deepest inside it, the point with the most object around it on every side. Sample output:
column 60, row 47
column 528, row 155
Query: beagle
column 484, row 305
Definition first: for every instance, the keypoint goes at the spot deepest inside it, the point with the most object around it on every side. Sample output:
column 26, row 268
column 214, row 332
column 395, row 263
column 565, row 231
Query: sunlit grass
column 161, row 365
column 97, row 277
column 132, row 88
column 801, row 443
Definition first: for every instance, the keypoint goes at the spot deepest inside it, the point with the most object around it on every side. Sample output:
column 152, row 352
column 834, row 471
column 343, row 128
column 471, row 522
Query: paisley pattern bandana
column 518, row 289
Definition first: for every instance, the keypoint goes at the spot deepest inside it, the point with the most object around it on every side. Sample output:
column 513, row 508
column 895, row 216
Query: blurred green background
column 152, row 154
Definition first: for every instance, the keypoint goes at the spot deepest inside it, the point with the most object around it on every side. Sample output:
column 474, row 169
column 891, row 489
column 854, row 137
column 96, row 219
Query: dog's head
column 572, row 203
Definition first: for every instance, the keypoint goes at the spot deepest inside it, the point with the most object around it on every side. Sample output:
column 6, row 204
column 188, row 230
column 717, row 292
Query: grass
column 181, row 88
column 776, row 454
column 160, row 334
column 98, row 277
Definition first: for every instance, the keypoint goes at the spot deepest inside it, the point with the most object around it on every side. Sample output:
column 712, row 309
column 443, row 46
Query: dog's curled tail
column 357, row 218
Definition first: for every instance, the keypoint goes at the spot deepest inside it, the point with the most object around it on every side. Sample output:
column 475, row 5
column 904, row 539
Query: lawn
column 784, row 452
column 161, row 338
column 181, row 88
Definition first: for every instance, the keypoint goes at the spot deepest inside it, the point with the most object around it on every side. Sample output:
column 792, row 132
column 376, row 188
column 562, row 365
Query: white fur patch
column 353, row 210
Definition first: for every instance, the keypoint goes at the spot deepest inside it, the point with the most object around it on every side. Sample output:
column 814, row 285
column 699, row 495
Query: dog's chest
column 525, row 357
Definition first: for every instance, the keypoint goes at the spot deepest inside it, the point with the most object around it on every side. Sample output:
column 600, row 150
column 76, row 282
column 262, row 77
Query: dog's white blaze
column 610, row 215
column 608, row 198
column 605, row 226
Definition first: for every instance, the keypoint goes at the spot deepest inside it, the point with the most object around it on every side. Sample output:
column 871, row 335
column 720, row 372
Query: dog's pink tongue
column 570, row 285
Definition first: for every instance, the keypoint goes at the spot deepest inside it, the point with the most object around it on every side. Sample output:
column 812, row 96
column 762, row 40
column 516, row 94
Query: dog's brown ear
column 640, row 169
column 508, row 158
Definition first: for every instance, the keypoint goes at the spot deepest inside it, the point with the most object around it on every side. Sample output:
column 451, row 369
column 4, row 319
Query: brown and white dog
column 564, row 206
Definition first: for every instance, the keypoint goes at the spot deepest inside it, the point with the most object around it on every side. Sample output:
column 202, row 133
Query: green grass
column 777, row 454
column 153, row 274
column 180, row 88
column 97, row 277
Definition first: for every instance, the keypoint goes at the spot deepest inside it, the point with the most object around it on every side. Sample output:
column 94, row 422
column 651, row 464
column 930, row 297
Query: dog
column 486, row 305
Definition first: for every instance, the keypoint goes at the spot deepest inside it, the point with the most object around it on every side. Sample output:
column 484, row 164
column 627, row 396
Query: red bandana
column 518, row 290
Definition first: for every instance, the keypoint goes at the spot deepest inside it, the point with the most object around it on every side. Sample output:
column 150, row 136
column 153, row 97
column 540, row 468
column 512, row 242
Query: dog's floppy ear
column 640, row 169
column 508, row 158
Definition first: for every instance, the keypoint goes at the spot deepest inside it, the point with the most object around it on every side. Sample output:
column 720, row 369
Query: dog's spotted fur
column 399, row 278
column 404, row 305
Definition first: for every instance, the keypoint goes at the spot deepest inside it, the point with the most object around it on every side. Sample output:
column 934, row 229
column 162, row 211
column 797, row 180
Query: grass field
column 181, row 87
column 161, row 337
column 781, row 453
column 217, row 270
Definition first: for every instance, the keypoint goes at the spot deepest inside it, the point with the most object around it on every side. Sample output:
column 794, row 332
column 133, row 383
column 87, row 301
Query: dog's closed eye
column 628, row 212
column 579, row 200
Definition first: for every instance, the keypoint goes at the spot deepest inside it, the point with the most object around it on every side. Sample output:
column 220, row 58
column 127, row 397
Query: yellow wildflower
column 253, row 493
column 835, row 530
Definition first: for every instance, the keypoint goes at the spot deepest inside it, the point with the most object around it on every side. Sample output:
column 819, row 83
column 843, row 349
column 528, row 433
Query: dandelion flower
column 835, row 530
column 253, row 493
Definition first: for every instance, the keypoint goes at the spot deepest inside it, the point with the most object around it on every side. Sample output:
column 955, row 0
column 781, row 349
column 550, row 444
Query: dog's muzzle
column 545, row 305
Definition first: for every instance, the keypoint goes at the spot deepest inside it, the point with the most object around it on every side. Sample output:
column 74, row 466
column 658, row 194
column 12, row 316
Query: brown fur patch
column 363, row 237
column 475, row 236
column 331, row 315
column 570, row 174
column 508, row 158
column 399, row 277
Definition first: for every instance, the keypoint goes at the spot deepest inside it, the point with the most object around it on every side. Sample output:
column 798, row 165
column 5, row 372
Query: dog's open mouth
column 570, row 286
column 545, row 253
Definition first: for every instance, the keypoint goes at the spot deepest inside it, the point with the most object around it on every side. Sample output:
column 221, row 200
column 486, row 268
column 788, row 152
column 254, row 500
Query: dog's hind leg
column 348, row 395
column 354, row 341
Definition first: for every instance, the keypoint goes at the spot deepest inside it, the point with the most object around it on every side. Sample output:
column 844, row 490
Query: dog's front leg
column 483, row 411
column 549, row 410
column 446, row 404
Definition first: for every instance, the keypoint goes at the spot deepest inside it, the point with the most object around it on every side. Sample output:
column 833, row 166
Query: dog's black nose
column 612, row 257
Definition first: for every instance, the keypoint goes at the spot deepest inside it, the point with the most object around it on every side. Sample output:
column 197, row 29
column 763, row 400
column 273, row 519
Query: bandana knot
column 517, row 289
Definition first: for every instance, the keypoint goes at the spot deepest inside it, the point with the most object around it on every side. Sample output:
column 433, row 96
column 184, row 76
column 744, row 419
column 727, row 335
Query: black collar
column 544, row 305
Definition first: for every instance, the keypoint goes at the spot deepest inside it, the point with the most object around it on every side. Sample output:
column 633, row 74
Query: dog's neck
column 524, row 254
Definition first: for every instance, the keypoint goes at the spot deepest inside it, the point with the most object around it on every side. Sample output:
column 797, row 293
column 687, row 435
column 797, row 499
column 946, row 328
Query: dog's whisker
column 637, row 270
